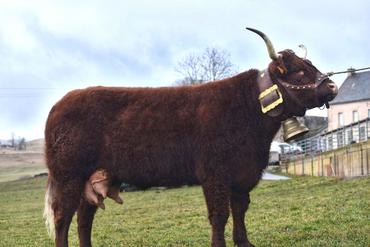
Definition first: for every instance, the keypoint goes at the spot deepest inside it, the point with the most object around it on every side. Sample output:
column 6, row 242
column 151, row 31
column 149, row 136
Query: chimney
column 350, row 71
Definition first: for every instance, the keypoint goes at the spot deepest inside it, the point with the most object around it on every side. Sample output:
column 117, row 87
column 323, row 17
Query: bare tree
column 190, row 67
column 216, row 64
column 211, row 65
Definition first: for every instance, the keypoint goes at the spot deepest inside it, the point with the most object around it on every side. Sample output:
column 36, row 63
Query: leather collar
column 270, row 97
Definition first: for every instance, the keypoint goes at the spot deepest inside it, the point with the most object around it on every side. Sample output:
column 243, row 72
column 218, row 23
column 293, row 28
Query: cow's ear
column 278, row 67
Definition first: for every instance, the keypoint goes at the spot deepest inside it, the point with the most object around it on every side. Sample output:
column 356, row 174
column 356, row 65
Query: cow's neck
column 242, row 91
column 264, row 126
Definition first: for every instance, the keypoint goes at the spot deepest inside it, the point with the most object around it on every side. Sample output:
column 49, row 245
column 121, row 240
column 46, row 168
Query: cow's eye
column 300, row 73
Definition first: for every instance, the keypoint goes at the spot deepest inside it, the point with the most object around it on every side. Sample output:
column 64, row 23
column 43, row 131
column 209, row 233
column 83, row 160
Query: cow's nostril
column 333, row 87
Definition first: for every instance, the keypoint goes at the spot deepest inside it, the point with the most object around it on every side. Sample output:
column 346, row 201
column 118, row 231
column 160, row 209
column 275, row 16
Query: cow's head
column 301, row 84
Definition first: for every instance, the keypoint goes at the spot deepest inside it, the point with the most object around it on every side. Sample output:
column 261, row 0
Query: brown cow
column 217, row 135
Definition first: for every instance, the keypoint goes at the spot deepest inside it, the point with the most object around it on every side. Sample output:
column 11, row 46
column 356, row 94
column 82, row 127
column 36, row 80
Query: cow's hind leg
column 67, row 199
column 85, row 217
column 239, row 203
column 217, row 198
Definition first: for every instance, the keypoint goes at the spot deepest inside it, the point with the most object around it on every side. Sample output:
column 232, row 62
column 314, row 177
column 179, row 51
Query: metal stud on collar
column 298, row 87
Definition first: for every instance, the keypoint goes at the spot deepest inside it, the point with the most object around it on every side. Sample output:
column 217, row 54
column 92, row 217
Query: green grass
column 303, row 211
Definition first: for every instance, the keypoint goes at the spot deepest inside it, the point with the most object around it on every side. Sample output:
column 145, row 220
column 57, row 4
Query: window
column 340, row 119
column 354, row 116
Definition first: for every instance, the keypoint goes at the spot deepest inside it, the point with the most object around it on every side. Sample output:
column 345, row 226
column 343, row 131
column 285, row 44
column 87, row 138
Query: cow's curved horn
column 269, row 45
column 304, row 49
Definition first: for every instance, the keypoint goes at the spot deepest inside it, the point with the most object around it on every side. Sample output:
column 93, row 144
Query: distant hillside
column 36, row 146
column 18, row 164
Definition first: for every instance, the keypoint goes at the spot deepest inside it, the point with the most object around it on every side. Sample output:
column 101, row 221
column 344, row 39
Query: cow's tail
column 48, row 210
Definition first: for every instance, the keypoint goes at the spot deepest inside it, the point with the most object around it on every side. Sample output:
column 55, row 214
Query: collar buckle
column 269, row 94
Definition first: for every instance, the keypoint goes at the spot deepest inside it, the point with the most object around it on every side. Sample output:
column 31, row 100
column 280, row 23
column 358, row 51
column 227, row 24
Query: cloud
column 56, row 46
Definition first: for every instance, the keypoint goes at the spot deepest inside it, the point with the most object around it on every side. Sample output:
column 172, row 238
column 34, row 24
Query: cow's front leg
column 239, row 203
column 217, row 197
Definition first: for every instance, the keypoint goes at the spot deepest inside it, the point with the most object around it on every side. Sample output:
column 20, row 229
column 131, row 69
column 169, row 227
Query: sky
column 48, row 48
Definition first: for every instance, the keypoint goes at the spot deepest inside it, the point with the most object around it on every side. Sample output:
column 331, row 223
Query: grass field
column 303, row 211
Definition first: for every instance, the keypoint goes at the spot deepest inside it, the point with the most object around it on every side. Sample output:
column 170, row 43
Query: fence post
column 344, row 136
column 312, row 165
column 348, row 162
column 362, row 161
column 358, row 131
column 367, row 128
column 334, row 164
column 286, row 166
column 367, row 160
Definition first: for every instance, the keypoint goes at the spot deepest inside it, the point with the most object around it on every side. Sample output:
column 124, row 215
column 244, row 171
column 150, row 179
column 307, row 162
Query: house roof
column 315, row 124
column 356, row 87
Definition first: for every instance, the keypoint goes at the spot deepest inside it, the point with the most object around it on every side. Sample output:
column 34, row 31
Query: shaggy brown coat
column 212, row 134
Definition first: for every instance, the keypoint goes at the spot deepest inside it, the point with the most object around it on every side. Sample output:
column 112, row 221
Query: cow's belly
column 154, row 166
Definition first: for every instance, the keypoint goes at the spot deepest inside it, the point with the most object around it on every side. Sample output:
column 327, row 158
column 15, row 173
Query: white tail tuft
column 48, row 212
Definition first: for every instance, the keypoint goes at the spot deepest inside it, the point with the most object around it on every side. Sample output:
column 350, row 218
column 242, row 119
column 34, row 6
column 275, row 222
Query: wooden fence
column 349, row 161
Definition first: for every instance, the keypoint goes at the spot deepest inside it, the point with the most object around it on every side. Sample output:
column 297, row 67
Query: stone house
column 352, row 103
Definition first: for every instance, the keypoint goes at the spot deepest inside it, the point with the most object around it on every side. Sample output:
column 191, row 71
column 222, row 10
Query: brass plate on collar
column 274, row 104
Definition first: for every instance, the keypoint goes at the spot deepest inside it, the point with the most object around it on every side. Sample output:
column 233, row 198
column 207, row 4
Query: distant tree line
column 17, row 144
